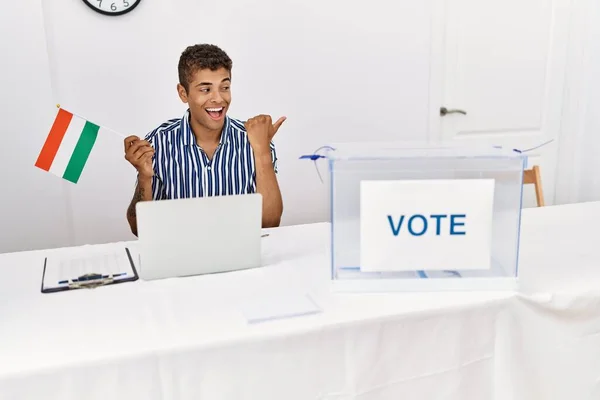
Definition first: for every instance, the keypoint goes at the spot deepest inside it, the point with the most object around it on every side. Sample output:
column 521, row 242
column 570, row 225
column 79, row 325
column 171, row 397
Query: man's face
column 208, row 97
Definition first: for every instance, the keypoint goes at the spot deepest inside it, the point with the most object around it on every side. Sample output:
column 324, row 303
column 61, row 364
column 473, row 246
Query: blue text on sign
column 418, row 225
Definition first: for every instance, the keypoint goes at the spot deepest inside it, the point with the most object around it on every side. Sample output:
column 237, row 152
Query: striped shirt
column 182, row 169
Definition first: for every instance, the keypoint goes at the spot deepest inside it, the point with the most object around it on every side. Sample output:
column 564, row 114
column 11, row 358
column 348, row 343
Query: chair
column 533, row 176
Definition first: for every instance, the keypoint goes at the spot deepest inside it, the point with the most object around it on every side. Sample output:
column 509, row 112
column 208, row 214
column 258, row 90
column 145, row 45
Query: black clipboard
column 90, row 282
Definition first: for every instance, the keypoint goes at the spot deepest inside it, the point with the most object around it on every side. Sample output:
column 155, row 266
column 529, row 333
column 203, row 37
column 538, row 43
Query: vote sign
column 426, row 225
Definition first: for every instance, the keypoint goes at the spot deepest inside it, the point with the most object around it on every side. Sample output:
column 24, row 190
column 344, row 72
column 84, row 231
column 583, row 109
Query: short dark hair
column 201, row 56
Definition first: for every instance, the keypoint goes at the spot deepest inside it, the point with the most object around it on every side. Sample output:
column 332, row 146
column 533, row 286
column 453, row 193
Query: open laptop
column 199, row 235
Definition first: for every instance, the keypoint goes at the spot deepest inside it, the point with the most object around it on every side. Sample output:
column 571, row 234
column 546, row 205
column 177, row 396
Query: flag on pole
column 68, row 146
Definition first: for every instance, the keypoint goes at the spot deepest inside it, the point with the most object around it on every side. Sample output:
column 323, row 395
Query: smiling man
column 206, row 152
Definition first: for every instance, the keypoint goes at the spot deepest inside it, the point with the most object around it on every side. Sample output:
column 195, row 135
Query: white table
column 187, row 339
column 551, row 336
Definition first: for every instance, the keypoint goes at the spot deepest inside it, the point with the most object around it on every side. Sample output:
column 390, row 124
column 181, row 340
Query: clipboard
column 92, row 279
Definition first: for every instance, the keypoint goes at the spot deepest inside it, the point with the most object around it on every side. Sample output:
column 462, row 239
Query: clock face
column 112, row 7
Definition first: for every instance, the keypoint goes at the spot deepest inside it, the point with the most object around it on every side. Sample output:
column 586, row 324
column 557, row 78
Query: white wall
column 578, row 177
column 360, row 74
column 33, row 206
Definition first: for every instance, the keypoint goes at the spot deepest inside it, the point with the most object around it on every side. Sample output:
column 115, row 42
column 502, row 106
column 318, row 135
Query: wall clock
column 112, row 7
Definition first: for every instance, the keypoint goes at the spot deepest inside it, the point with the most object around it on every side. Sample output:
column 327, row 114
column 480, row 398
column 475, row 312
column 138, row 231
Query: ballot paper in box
column 423, row 217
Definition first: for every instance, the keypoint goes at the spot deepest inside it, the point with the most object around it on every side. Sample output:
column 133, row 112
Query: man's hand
column 139, row 154
column 261, row 131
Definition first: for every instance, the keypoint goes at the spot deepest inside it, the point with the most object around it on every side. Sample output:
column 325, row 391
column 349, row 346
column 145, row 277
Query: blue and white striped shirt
column 182, row 169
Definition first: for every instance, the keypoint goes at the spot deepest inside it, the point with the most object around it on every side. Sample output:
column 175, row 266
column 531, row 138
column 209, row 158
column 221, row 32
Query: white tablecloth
column 187, row 338
column 552, row 333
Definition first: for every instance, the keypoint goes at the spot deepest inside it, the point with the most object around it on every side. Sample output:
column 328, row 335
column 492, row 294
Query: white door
column 502, row 64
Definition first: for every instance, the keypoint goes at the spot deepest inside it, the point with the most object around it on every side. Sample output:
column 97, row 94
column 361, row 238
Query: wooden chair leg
column 539, row 192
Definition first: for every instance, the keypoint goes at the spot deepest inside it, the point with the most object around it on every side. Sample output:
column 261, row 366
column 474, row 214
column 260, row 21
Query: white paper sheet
column 61, row 270
column 272, row 307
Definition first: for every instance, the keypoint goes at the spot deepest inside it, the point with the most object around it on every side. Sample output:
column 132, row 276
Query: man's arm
column 143, row 192
column 139, row 153
column 260, row 132
column 268, row 187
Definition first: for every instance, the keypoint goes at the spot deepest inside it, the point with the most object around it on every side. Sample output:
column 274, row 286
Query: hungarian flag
column 68, row 146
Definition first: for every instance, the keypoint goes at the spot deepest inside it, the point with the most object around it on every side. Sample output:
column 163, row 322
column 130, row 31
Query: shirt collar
column 188, row 137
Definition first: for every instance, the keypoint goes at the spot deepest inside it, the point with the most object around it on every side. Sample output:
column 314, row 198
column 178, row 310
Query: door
column 500, row 66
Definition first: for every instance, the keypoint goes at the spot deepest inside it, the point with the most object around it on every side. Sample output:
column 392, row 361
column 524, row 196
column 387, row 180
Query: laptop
column 198, row 236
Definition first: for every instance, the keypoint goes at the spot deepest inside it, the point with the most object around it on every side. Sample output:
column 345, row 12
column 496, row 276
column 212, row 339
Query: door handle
column 444, row 111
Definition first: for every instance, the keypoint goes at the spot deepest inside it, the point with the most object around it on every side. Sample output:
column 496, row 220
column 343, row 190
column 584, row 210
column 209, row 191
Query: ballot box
column 408, row 217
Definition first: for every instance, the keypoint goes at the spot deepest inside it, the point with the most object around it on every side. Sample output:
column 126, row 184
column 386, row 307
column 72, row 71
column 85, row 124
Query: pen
column 91, row 277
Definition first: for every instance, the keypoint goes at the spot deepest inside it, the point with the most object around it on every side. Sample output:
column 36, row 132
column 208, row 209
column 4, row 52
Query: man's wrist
column 263, row 157
column 145, row 179
column 260, row 148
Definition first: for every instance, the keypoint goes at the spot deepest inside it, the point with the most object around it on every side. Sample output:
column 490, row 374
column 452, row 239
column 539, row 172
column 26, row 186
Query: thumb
column 277, row 124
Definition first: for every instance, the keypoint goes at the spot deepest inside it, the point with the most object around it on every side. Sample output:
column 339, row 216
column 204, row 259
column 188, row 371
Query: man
column 206, row 153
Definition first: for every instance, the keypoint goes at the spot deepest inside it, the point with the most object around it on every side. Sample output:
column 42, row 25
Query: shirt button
column 209, row 168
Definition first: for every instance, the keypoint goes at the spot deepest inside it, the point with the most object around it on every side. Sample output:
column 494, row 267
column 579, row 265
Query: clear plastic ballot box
column 424, row 217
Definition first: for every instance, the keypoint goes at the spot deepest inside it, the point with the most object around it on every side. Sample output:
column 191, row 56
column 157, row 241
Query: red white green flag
column 68, row 146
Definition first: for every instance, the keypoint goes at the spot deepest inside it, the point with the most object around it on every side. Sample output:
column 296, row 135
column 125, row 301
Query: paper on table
column 60, row 269
column 279, row 306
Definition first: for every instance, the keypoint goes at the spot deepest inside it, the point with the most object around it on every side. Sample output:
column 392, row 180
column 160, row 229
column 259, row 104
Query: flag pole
column 101, row 126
